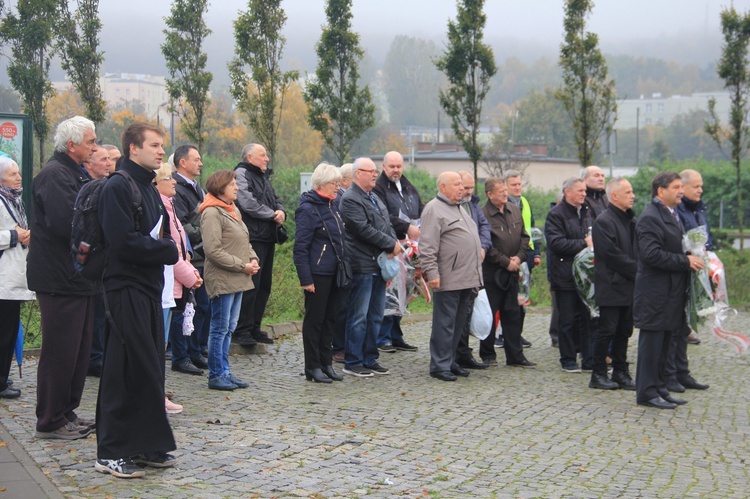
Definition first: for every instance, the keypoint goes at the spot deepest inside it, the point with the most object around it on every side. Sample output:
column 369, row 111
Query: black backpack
column 86, row 238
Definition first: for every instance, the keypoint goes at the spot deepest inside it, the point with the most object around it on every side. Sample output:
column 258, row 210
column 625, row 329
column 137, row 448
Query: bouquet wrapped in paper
column 537, row 237
column 708, row 291
column 401, row 290
column 524, row 285
column 583, row 275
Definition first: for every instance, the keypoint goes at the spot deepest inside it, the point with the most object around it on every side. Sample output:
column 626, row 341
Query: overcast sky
column 132, row 29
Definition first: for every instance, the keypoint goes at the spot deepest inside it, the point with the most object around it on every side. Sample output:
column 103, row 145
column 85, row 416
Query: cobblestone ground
column 503, row 432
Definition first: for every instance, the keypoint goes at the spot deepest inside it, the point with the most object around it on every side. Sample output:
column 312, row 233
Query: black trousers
column 572, row 327
column 338, row 341
column 67, row 326
column 254, row 301
column 615, row 327
column 10, row 314
column 554, row 317
column 677, row 358
column 130, row 415
column 653, row 348
column 506, row 301
column 321, row 310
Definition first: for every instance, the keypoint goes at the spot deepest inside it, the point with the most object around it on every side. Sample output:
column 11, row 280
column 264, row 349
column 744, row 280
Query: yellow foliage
column 389, row 141
column 298, row 144
column 64, row 105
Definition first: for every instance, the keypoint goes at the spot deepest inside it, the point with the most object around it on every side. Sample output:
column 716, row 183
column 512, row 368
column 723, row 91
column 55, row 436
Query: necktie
column 374, row 201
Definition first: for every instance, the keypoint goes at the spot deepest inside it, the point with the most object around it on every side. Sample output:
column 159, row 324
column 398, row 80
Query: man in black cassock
column 132, row 425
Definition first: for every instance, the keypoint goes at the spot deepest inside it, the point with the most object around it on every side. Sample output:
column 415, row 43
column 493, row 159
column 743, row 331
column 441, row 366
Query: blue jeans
column 225, row 310
column 390, row 331
column 366, row 306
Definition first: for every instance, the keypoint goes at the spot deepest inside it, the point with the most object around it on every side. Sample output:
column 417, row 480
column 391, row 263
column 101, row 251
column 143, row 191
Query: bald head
column 450, row 186
column 620, row 193
column 393, row 165
column 692, row 183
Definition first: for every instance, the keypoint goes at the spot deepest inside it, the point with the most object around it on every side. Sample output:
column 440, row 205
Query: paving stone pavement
column 503, row 432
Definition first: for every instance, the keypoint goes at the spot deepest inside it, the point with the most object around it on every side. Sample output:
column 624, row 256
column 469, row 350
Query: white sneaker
column 171, row 407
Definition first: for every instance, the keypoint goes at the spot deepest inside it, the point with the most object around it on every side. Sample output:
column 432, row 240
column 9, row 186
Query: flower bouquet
column 583, row 275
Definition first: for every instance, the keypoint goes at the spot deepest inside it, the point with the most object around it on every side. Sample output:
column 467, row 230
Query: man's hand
column 589, row 241
column 413, row 232
column 434, row 284
column 696, row 263
column 279, row 217
column 483, row 254
column 512, row 266
column 397, row 250
column 537, row 261
column 310, row 288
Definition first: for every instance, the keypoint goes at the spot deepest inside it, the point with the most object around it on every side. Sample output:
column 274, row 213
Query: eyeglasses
column 373, row 171
column 334, row 183
column 166, row 178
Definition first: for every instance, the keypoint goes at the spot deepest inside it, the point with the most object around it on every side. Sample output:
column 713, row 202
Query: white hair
column 73, row 130
column 323, row 174
column 5, row 164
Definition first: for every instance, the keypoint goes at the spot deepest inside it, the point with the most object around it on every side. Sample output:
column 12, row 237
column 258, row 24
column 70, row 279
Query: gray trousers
column 449, row 309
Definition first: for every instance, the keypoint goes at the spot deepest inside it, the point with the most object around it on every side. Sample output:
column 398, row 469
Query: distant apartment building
column 118, row 88
column 660, row 111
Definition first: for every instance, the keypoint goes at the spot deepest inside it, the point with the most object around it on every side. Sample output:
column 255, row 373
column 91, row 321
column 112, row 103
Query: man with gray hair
column 451, row 256
column 66, row 299
column 368, row 236
column 263, row 214
column 567, row 232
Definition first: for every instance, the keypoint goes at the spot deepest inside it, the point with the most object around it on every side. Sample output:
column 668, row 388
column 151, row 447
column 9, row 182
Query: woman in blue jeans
column 230, row 263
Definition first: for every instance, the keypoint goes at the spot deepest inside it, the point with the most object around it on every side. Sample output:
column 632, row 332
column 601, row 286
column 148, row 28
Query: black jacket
column 693, row 215
column 313, row 253
column 49, row 262
column 186, row 203
column 368, row 230
column 615, row 257
column 565, row 232
column 409, row 204
column 661, row 283
column 257, row 202
column 597, row 201
column 136, row 260
column 508, row 236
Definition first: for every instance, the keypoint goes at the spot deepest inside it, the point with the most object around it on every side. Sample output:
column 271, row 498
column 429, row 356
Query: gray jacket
column 449, row 246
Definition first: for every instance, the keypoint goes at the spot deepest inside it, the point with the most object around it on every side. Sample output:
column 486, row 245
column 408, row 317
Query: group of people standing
column 174, row 249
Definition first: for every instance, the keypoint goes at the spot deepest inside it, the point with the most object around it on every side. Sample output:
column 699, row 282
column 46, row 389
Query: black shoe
column 317, row 376
column 601, row 382
column 244, row 340
column 405, row 347
column 489, row 362
column 658, row 403
column 689, row 382
column 187, row 367
column 525, row 343
column 200, row 362
column 121, row 468
column 444, row 376
column 693, row 339
column 10, row 393
column 328, row 371
column 155, row 459
column 674, row 400
column 674, row 386
column 95, row 371
column 387, row 348
column 624, row 380
column 262, row 337
column 499, row 342
column 455, row 369
column 377, row 369
column 239, row 383
column 471, row 363
column 554, row 343
column 524, row 363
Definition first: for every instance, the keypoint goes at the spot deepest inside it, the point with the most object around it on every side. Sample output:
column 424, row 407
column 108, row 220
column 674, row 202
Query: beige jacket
column 226, row 243
column 449, row 246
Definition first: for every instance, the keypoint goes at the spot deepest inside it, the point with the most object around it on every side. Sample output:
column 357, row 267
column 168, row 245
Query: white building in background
column 658, row 110
column 118, row 88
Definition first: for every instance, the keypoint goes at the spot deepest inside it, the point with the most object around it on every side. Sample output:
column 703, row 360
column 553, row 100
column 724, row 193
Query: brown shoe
column 339, row 357
column 693, row 339
column 68, row 432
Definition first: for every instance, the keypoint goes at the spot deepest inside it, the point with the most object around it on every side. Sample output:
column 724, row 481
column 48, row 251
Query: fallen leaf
column 440, row 458
column 403, row 394
column 352, row 425
column 645, row 440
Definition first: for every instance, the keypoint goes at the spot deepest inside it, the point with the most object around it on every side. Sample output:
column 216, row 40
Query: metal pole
column 637, row 135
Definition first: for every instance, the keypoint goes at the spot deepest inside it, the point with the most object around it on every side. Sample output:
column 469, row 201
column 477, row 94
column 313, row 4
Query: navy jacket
column 136, row 260
column 485, row 236
column 313, row 254
column 368, row 230
column 186, row 203
column 693, row 214
column 565, row 232
column 661, row 283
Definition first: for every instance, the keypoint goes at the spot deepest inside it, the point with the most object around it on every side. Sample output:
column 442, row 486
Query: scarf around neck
column 211, row 200
column 14, row 203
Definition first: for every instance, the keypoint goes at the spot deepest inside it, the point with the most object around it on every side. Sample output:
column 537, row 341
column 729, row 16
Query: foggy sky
column 680, row 30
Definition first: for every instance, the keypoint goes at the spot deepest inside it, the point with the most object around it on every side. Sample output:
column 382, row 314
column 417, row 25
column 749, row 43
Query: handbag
column 282, row 235
column 344, row 274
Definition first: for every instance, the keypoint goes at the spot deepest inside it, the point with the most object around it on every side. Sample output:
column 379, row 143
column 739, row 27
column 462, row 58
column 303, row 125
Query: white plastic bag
column 187, row 323
column 481, row 319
